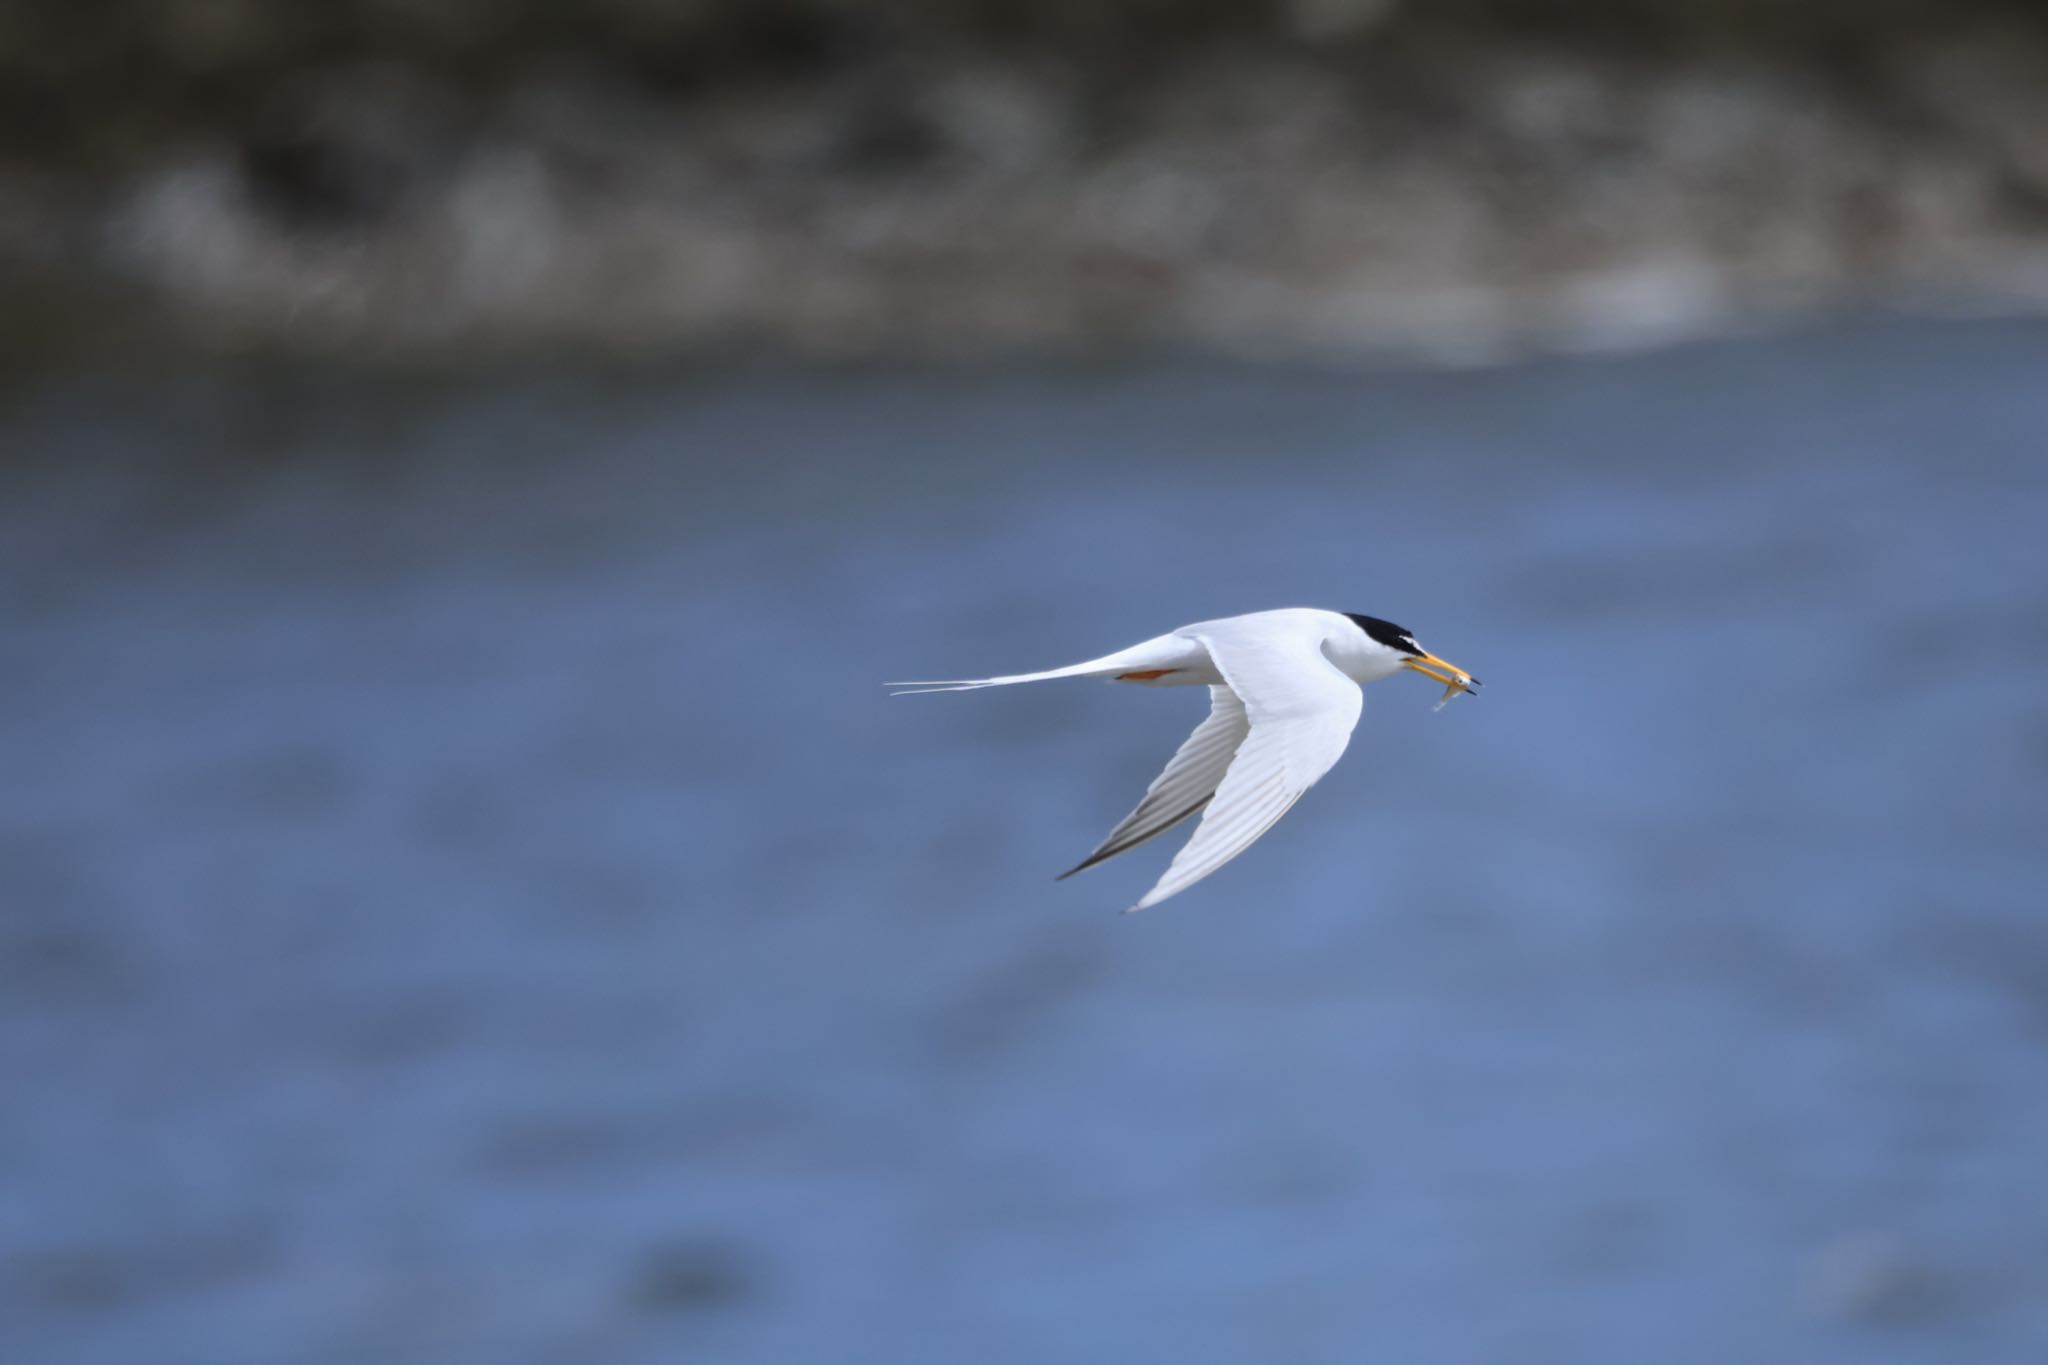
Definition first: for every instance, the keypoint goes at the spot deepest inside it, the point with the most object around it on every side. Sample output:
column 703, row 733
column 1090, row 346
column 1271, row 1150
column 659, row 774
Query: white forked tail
column 1164, row 651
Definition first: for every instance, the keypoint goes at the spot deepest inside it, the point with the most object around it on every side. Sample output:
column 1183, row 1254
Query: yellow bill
column 1454, row 678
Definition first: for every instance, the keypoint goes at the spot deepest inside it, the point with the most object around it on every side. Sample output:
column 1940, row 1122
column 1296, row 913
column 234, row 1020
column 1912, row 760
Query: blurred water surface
column 464, row 896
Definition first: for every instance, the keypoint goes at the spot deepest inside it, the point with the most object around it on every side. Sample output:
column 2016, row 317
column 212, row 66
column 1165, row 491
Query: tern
column 1285, row 692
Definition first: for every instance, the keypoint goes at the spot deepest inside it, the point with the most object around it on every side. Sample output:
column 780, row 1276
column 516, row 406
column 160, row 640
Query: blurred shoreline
column 1322, row 179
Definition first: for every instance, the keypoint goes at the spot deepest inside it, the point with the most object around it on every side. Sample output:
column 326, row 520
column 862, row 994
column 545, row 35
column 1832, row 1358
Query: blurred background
column 466, row 468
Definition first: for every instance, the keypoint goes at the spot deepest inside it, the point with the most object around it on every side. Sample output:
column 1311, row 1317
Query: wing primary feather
column 1187, row 783
column 1110, row 850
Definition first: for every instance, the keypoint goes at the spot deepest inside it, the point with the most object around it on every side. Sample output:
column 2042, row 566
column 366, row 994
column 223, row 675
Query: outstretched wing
column 1187, row 784
column 1301, row 710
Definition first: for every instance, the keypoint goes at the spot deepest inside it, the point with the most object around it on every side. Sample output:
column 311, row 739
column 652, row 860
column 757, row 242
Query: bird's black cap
column 1387, row 633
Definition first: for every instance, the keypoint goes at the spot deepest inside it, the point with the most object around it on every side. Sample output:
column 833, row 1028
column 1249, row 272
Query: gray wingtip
column 1082, row 866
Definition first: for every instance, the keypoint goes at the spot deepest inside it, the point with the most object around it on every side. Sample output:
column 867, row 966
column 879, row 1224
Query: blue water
column 465, row 898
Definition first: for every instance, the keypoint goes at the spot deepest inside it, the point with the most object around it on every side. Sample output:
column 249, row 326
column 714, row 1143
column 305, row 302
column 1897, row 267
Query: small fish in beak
column 1454, row 678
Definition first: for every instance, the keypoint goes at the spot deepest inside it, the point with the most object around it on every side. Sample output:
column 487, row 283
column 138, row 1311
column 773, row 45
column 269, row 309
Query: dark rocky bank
column 1331, row 177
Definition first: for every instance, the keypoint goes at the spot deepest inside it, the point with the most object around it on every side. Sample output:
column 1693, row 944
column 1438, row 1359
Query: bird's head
column 1401, row 651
